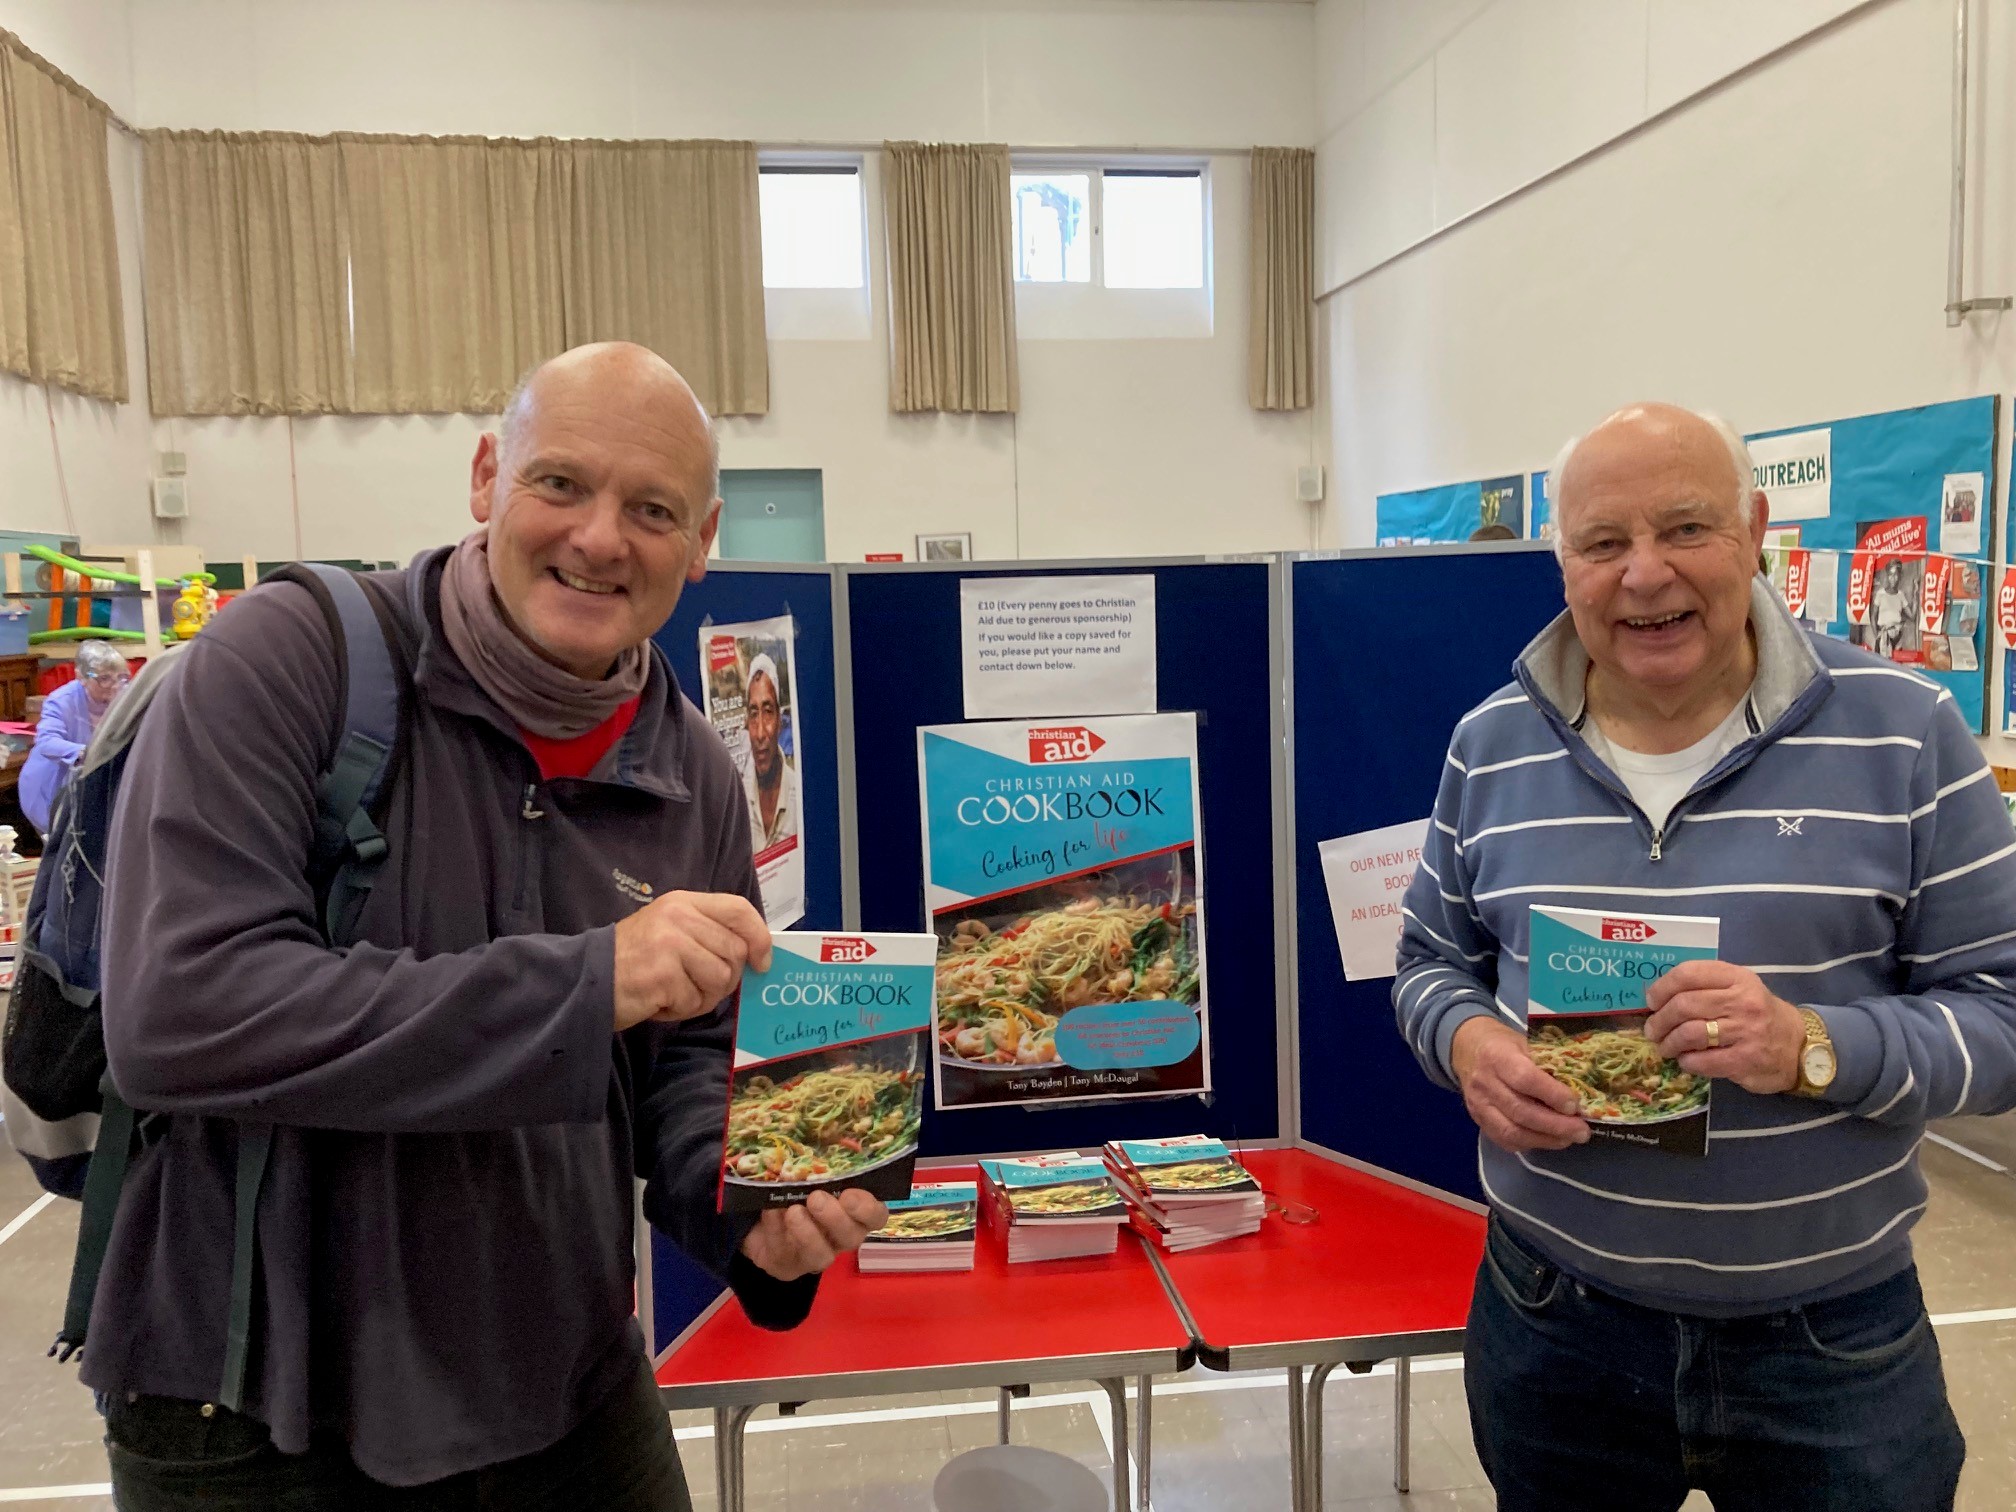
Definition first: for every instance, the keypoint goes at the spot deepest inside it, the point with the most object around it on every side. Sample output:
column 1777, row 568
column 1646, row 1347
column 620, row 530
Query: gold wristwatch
column 1816, row 1057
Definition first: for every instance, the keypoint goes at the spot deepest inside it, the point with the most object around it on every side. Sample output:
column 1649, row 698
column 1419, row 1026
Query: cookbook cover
column 827, row 1090
column 1063, row 879
column 1188, row 1166
column 935, row 1212
column 1056, row 1188
column 1585, row 1017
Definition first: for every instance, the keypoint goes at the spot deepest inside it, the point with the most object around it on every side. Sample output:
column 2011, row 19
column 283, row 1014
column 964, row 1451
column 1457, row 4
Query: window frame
column 1096, row 310
column 830, row 313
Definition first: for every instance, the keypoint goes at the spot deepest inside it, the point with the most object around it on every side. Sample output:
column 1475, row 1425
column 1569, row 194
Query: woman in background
column 69, row 715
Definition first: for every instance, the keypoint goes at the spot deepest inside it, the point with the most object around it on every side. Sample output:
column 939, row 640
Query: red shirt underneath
column 578, row 757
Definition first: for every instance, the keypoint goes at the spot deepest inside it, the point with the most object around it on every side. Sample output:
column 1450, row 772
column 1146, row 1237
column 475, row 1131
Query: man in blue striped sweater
column 1749, row 1323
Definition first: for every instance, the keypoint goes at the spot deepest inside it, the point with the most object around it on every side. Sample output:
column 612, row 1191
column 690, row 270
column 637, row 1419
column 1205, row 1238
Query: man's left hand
column 1758, row 1035
column 807, row 1237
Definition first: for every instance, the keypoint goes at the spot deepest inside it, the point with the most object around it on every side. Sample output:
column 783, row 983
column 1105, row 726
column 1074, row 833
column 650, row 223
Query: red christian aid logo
column 1631, row 931
column 1063, row 743
column 1798, row 574
column 846, row 950
column 1861, row 570
column 2005, row 608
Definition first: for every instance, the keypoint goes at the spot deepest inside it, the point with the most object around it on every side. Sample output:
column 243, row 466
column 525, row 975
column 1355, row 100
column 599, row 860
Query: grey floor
column 1221, row 1442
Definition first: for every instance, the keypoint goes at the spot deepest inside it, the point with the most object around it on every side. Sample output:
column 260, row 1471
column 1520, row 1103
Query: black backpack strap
column 255, row 1144
column 102, row 1181
column 349, row 847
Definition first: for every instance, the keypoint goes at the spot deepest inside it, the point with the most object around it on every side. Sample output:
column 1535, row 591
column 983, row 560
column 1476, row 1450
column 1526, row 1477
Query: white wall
column 1120, row 447
column 1775, row 250
column 49, row 438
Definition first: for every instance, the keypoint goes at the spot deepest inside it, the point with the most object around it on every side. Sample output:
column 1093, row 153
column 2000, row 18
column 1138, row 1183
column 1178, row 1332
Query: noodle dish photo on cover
column 827, row 1090
column 1585, row 1021
column 1064, row 882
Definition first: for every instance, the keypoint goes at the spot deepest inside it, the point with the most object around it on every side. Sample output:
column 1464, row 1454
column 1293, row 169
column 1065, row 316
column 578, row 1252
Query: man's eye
column 555, row 483
column 1690, row 530
column 658, row 514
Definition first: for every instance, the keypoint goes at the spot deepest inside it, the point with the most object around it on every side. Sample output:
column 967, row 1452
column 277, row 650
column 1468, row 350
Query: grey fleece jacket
column 1860, row 860
column 445, row 1233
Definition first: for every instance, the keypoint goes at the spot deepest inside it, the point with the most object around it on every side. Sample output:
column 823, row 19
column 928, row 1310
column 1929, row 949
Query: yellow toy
column 192, row 609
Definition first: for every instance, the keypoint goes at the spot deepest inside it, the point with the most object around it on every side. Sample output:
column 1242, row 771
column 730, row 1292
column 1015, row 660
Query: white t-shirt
column 1658, row 782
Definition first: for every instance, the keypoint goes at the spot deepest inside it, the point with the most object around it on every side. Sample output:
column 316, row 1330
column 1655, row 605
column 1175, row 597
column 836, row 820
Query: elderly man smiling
column 1749, row 1323
column 463, row 1096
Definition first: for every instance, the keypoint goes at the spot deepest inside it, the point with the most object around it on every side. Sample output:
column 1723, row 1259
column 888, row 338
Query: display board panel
column 1453, row 512
column 1215, row 654
column 1371, row 730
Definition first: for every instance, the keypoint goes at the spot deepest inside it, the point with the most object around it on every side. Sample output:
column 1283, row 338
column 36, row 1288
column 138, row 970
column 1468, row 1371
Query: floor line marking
column 1984, row 1315
column 1966, row 1152
column 22, row 1222
column 55, row 1493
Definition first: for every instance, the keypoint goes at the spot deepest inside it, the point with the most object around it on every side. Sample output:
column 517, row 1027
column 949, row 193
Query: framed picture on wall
column 945, row 548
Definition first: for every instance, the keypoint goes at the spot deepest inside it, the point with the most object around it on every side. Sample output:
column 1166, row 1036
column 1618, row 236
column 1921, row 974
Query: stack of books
column 1054, row 1207
column 933, row 1229
column 1186, row 1192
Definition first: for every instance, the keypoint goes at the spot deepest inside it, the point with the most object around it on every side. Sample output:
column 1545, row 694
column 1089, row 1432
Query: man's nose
column 1645, row 566
column 598, row 530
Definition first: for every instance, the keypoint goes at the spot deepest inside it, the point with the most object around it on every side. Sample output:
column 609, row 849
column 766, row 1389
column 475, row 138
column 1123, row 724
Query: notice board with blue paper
column 1882, row 528
column 1453, row 512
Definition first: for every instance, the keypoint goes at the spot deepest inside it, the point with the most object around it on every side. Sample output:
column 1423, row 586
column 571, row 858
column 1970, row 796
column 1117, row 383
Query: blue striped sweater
column 1860, row 859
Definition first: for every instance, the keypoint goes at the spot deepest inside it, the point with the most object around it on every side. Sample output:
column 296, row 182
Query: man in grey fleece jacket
column 1749, row 1323
column 529, row 1017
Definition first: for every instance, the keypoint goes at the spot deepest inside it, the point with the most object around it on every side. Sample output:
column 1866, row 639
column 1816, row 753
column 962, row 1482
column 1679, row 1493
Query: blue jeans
column 1579, row 1400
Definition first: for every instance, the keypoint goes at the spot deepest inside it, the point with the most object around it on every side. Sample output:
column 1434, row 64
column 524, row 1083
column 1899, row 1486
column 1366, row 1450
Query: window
column 812, row 231
column 1121, row 228
column 1154, row 229
column 1053, row 227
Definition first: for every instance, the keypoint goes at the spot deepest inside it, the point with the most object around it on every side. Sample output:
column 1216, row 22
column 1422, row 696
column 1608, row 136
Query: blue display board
column 1892, row 467
column 1213, row 640
column 1371, row 729
column 1453, row 512
column 1540, row 516
column 681, row 1289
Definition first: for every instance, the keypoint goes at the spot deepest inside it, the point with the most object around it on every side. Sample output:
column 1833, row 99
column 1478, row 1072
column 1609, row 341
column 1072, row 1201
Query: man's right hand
column 681, row 954
column 1516, row 1104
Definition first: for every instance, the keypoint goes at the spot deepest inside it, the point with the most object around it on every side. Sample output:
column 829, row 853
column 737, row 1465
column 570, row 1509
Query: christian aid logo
column 1861, row 573
column 1063, row 743
column 2005, row 608
column 845, row 950
column 1798, row 575
column 1630, row 931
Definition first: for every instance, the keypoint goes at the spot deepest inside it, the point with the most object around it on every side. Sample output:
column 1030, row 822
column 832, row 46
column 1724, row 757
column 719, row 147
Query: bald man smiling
column 462, row 1097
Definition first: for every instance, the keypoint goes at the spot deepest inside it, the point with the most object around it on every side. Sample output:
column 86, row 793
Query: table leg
column 1312, row 1432
column 1403, row 1404
column 1298, row 1455
column 730, row 1453
column 1116, row 1393
column 1006, row 1397
column 1144, row 1396
column 723, row 1480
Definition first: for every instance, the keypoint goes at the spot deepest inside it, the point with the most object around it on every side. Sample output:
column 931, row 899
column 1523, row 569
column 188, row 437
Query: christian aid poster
column 1063, row 874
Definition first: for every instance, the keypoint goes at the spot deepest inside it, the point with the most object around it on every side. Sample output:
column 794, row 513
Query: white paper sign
column 1963, row 499
column 1823, row 588
column 1796, row 473
column 1037, row 647
column 1367, row 876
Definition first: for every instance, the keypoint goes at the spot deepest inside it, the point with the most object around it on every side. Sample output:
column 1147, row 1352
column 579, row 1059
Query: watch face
column 1817, row 1064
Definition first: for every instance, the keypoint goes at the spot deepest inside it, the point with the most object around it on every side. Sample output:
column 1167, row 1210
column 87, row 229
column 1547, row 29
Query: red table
column 1383, row 1273
column 875, row 1335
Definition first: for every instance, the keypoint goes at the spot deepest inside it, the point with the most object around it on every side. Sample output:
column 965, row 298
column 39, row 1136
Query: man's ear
column 697, row 568
column 483, row 478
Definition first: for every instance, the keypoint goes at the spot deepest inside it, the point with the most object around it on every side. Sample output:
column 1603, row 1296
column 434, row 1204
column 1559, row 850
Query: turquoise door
column 773, row 515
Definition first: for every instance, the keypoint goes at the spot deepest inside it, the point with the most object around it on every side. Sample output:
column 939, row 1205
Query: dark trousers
column 168, row 1457
column 1579, row 1400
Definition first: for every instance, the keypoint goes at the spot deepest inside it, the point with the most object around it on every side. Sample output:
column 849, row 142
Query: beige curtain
column 664, row 247
column 61, row 321
column 1281, row 363
column 951, row 278
column 247, row 305
column 455, row 257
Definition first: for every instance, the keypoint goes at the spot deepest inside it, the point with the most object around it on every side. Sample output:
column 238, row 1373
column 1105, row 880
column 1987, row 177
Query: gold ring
column 1714, row 1033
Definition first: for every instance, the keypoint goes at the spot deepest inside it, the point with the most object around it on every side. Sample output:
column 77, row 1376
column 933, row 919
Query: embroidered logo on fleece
column 1791, row 827
column 636, row 891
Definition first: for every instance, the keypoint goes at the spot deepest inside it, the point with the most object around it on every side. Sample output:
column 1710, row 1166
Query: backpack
column 52, row 1051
